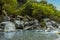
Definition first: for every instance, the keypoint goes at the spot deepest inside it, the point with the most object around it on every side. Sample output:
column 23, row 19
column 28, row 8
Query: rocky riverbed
column 13, row 22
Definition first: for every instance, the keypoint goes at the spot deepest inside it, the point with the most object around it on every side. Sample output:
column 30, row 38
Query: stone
column 9, row 26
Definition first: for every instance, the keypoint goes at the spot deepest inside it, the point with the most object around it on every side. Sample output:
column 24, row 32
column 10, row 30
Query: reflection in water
column 28, row 35
column 9, row 35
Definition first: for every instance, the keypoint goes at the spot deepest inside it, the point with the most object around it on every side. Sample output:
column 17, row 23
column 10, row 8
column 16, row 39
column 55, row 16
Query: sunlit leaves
column 31, row 8
column 9, row 5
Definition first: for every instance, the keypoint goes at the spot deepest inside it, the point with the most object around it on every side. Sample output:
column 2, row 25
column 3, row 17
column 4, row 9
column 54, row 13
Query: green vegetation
column 31, row 8
column 9, row 5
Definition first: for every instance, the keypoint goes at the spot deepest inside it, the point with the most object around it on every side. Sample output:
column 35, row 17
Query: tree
column 41, row 11
column 34, row 9
column 43, row 1
column 1, row 7
column 9, row 5
column 21, row 1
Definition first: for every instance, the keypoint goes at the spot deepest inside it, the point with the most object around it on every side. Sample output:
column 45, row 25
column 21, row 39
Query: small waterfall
column 9, row 26
column 22, row 23
column 52, row 26
column 36, row 22
column 19, row 23
column 26, row 23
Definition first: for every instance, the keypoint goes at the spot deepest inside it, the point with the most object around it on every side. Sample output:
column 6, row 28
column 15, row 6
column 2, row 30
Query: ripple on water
column 28, row 35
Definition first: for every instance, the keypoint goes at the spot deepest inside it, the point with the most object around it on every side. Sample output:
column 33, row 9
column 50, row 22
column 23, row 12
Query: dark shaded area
column 1, row 7
column 21, row 1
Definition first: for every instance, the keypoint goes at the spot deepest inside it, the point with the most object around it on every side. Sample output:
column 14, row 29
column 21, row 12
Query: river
column 28, row 35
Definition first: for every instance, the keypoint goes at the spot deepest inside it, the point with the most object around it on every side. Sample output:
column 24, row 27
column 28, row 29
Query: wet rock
column 36, row 22
column 8, row 26
column 26, row 23
column 17, row 23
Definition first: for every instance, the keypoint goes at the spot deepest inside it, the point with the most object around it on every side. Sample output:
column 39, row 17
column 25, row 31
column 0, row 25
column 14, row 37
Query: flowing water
column 28, row 35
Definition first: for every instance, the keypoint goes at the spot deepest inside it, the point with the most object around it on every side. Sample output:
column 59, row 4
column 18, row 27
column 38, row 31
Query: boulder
column 9, row 26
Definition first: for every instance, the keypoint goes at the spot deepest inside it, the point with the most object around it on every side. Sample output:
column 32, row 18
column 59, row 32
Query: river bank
column 11, row 21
